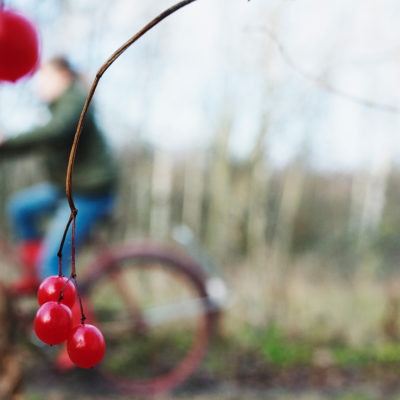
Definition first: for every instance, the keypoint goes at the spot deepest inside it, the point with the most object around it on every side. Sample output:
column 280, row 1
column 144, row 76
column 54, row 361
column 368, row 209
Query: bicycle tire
column 145, row 259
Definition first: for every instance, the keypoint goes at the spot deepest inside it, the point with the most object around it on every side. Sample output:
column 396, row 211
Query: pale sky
column 219, row 56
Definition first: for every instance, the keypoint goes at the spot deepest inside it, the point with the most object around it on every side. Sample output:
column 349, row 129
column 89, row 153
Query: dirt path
column 222, row 392
column 44, row 384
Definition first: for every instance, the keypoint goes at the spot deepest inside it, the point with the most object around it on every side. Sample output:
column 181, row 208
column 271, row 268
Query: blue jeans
column 28, row 208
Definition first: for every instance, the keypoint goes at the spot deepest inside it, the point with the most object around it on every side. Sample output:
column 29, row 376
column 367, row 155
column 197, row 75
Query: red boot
column 29, row 282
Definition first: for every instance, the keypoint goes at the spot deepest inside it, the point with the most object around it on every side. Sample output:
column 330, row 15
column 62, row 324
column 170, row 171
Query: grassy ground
column 275, row 367
column 315, row 337
column 229, row 392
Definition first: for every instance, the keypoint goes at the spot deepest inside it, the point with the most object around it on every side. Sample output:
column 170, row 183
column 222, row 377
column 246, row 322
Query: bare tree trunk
column 369, row 197
column 217, row 228
column 289, row 205
column 257, row 195
column 193, row 191
column 375, row 196
column 161, row 189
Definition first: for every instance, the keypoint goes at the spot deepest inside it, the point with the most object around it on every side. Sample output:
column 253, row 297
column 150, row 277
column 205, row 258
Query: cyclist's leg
column 90, row 211
column 28, row 206
column 26, row 210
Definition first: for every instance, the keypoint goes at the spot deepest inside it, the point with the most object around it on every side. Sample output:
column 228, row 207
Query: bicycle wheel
column 157, row 319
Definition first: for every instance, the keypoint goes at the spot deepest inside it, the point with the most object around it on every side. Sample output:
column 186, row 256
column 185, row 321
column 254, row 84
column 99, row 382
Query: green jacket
column 94, row 170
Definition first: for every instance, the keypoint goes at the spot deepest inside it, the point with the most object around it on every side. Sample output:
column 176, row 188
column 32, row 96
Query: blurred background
column 270, row 128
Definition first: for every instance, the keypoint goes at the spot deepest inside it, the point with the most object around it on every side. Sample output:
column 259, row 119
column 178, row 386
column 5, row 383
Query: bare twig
column 326, row 85
column 69, row 191
column 99, row 74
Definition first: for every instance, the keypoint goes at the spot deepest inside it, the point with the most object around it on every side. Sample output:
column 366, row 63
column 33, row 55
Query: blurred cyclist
column 94, row 175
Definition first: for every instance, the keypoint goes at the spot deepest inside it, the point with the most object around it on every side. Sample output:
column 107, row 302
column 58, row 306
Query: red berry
column 53, row 323
column 86, row 346
column 19, row 46
column 50, row 290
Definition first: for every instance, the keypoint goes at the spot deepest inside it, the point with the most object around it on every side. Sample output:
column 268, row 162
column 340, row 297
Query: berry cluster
column 53, row 323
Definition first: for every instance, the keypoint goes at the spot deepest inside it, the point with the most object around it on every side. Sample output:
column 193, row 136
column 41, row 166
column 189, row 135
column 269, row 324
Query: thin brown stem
column 83, row 316
column 60, row 268
column 101, row 71
column 99, row 74
column 69, row 191
column 64, row 236
column 73, row 264
column 61, row 295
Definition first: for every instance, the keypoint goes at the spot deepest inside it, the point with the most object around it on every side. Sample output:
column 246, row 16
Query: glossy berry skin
column 19, row 46
column 50, row 289
column 86, row 346
column 53, row 323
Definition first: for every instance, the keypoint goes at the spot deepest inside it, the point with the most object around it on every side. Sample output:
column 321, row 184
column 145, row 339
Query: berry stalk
column 99, row 74
column 70, row 167
column 92, row 90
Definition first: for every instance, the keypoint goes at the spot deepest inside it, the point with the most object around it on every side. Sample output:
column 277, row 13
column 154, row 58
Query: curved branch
column 72, row 155
column 92, row 90
column 326, row 85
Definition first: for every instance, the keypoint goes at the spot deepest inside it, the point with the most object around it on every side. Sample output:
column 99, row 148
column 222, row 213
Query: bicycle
column 156, row 306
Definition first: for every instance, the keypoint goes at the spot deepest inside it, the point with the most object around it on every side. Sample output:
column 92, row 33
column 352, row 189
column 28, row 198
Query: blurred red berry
column 19, row 46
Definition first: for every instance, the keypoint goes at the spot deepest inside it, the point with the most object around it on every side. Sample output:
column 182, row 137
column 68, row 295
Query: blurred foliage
column 386, row 239
column 272, row 357
column 325, row 221
column 294, row 347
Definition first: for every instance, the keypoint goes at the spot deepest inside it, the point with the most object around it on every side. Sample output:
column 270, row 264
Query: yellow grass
column 309, row 300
